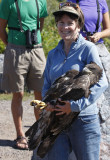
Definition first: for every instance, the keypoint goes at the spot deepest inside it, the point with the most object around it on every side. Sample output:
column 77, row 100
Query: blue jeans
column 83, row 137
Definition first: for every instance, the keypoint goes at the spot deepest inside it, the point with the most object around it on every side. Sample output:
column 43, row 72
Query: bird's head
column 86, row 70
column 92, row 68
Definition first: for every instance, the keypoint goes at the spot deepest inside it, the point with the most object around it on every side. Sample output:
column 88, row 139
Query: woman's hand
column 95, row 37
column 63, row 109
column 50, row 107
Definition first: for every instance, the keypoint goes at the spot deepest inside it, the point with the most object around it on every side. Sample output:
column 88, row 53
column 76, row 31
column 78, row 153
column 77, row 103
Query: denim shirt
column 82, row 52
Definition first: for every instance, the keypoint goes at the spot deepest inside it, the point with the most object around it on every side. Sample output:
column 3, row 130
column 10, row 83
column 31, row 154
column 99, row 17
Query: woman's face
column 68, row 28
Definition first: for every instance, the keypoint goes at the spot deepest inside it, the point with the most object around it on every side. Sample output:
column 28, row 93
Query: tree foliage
column 2, row 47
column 50, row 35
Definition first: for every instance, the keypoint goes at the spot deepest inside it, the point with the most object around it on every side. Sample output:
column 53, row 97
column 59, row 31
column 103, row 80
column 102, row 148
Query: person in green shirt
column 24, row 59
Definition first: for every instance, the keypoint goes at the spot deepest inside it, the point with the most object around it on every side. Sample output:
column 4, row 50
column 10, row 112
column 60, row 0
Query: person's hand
column 95, row 37
column 63, row 109
column 49, row 107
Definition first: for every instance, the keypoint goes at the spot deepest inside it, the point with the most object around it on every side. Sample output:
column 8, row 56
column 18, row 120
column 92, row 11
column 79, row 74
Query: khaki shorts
column 23, row 66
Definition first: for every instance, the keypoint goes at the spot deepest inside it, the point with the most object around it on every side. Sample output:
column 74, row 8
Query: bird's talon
column 42, row 107
column 38, row 104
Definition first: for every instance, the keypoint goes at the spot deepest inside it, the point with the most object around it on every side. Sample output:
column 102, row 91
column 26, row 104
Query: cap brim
column 66, row 10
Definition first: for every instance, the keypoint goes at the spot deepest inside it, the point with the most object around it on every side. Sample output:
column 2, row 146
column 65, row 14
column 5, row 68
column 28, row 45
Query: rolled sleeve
column 43, row 11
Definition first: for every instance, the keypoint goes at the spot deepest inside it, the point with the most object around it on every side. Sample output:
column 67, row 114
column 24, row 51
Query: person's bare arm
column 106, row 25
column 106, row 29
column 3, row 33
column 41, row 23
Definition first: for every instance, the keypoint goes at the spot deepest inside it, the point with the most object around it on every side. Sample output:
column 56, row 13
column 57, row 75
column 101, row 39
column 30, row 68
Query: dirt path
column 7, row 131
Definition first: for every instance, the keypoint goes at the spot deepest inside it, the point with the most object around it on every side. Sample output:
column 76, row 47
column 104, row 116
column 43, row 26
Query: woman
column 97, row 27
column 74, row 52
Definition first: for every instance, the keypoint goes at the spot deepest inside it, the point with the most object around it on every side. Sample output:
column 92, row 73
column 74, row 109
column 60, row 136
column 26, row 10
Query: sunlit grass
column 9, row 96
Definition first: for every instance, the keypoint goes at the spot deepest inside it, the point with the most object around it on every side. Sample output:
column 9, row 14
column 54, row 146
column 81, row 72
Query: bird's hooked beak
column 38, row 104
column 86, row 71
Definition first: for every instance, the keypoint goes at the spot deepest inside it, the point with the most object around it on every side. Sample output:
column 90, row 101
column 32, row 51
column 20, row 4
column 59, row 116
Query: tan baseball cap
column 69, row 9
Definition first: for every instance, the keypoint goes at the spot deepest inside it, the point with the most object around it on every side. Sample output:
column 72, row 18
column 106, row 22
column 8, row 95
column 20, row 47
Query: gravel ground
column 8, row 134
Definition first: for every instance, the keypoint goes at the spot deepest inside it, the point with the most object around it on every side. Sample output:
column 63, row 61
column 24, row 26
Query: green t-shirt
column 28, row 12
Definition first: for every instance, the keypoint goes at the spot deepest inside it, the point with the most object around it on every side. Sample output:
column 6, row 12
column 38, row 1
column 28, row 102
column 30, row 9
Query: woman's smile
column 68, row 28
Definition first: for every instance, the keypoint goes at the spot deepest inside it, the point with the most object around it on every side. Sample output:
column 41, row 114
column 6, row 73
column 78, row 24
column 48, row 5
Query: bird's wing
column 59, row 124
column 38, row 129
column 81, row 87
column 65, row 122
column 45, row 146
column 61, row 86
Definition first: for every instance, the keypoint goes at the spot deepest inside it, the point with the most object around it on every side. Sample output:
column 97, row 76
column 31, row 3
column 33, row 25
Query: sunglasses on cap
column 74, row 5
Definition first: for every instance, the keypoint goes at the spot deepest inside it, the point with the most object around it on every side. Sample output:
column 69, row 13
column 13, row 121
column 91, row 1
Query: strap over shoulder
column 19, row 17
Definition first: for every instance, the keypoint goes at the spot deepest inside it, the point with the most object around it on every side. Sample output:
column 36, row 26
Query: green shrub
column 2, row 47
column 50, row 37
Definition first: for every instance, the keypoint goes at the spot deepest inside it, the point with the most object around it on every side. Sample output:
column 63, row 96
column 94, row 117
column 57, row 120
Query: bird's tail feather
column 31, row 130
column 30, row 133
column 33, row 143
column 45, row 146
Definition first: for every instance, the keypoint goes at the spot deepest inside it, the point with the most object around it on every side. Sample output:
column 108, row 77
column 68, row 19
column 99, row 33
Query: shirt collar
column 61, row 43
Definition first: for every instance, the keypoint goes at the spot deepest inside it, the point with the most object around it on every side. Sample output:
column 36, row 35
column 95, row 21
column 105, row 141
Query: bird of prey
column 72, row 85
